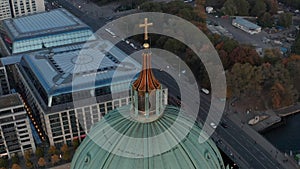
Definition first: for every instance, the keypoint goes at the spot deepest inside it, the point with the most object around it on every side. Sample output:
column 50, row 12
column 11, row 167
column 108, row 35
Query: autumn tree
column 29, row 164
column 41, row 162
column 27, row 155
column 200, row 11
column 278, row 83
column 15, row 166
column 272, row 6
column 52, row 150
column 64, row 148
column 54, row 159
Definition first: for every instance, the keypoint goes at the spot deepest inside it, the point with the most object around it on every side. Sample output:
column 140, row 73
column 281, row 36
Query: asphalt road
column 240, row 148
column 95, row 24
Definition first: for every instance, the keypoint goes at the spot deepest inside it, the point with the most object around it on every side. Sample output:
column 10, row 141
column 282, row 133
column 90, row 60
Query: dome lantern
column 146, row 91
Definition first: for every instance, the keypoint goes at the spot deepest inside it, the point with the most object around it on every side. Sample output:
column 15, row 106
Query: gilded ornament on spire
column 145, row 25
column 146, row 82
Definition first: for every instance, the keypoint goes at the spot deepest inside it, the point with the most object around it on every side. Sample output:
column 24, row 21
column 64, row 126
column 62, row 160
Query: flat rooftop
column 10, row 100
column 80, row 67
column 38, row 24
column 246, row 23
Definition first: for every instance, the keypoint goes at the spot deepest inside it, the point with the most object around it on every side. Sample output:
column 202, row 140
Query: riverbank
column 286, row 137
column 272, row 118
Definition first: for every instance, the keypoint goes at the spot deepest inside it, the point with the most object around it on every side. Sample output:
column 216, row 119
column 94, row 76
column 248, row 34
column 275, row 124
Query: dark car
column 223, row 124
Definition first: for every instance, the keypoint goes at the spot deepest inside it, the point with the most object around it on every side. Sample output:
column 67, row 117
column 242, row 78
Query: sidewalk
column 64, row 166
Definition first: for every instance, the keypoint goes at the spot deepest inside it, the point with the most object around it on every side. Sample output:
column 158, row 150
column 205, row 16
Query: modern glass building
column 69, row 88
column 44, row 30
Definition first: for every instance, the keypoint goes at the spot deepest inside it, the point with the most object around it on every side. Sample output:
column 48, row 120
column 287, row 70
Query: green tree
column 174, row 46
column 151, row 7
column 75, row 144
column 294, row 70
column 41, row 162
column 242, row 7
column 15, row 159
column 272, row 56
column 244, row 80
column 229, row 45
column 266, row 20
column 66, row 156
column 285, row 20
column 3, row 162
column 186, row 14
column 39, row 152
column 296, row 46
column 230, row 8
column 259, row 8
column 293, row 3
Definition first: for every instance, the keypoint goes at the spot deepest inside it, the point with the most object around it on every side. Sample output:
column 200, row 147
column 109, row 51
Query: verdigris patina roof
column 170, row 142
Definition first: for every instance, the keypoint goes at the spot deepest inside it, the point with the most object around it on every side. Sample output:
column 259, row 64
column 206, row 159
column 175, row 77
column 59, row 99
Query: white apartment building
column 15, row 132
column 5, row 11
column 15, row 8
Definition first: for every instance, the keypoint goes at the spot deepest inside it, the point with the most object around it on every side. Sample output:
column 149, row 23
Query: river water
column 287, row 136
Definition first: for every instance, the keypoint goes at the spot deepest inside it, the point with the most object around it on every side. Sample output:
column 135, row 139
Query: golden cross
column 145, row 25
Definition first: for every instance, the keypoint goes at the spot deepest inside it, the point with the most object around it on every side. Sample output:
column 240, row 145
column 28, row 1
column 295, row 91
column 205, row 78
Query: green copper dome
column 120, row 142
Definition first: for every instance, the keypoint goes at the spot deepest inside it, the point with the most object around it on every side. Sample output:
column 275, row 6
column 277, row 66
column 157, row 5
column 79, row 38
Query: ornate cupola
column 146, row 91
column 141, row 136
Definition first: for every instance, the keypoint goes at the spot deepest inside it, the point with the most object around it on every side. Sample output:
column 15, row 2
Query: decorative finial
column 145, row 25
